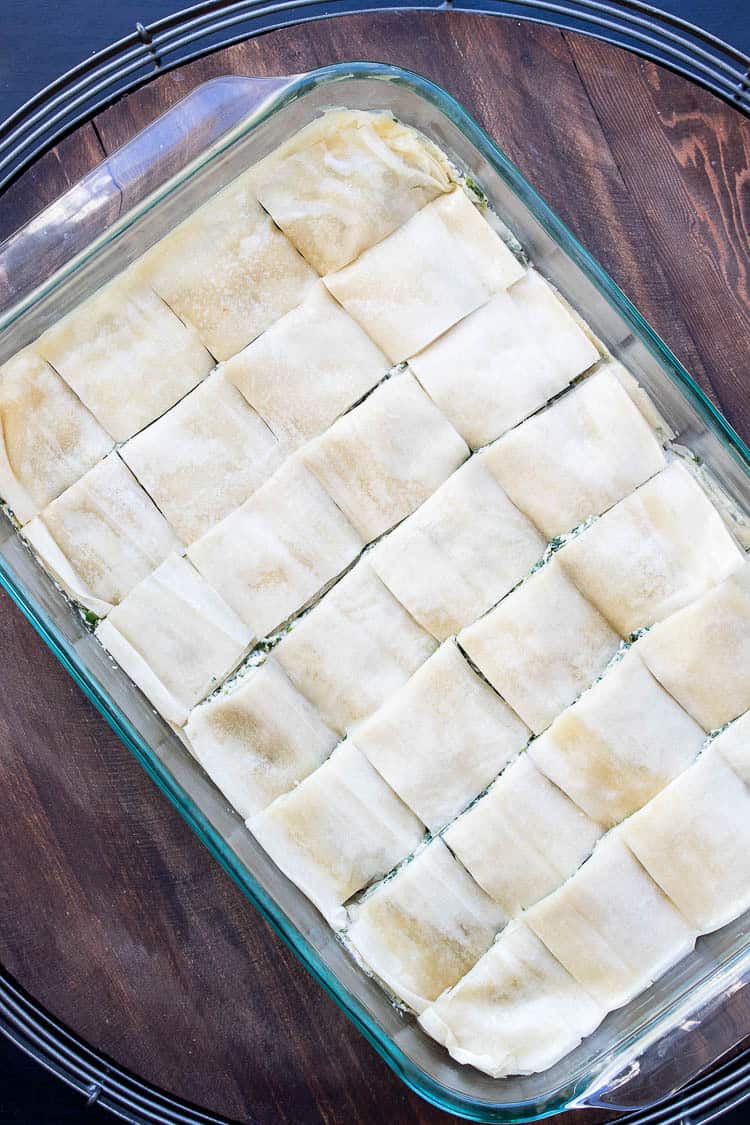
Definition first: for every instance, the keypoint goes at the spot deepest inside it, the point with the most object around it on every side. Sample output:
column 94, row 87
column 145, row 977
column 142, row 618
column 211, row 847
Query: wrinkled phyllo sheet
column 619, row 744
column 652, row 553
column 522, row 347
column 407, row 560
column 102, row 536
column 259, row 738
column 441, row 265
column 202, row 459
column 542, row 645
column 48, row 439
column 459, row 553
column 340, row 829
column 277, row 551
column 227, row 270
column 126, row 355
column 440, row 739
column 175, row 637
column 423, row 929
column 523, row 838
column 517, row 1011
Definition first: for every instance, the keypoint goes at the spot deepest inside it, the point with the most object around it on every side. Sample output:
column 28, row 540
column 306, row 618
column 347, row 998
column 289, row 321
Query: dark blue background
column 38, row 41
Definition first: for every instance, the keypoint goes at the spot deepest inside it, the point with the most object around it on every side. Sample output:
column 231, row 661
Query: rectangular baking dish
column 698, row 1011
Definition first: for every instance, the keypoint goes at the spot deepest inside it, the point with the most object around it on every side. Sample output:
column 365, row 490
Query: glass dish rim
column 292, row 89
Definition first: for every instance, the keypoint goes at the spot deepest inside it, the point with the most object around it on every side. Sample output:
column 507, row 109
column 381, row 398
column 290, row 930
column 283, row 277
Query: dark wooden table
column 111, row 912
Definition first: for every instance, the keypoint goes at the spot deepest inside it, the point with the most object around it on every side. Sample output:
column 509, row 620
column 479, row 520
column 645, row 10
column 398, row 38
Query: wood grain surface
column 111, row 913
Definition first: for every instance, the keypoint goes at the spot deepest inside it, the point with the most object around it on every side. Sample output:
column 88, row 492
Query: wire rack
column 103, row 1083
column 168, row 43
column 193, row 32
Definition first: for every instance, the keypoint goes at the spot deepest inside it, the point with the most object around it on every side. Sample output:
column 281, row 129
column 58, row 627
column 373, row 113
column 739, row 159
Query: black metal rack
column 193, row 32
column 168, row 43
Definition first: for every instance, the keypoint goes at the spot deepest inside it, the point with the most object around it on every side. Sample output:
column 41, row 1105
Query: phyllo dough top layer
column 346, row 181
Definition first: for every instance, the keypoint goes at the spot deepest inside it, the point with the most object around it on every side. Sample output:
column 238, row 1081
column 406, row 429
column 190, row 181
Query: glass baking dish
column 698, row 1011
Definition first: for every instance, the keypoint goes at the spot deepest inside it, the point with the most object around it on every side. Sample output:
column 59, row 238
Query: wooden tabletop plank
column 111, row 912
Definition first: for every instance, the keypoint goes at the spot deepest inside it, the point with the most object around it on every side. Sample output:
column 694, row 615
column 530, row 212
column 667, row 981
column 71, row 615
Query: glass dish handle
column 186, row 131
column 709, row 1024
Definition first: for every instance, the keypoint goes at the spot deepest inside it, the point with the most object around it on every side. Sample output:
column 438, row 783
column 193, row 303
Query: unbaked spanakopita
column 578, row 457
column 439, row 266
column 205, row 457
column 340, row 829
column 346, row 181
column 126, row 355
column 518, row 1011
column 505, row 360
column 384, row 458
column 523, row 838
column 258, row 738
column 734, row 746
column 611, row 926
column 175, row 637
column 619, row 744
column 102, row 536
column 442, row 737
column 541, row 646
column 227, row 270
column 48, row 439
column 423, row 929
column 354, row 648
column 702, row 653
column 272, row 555
column 307, row 368
column 653, row 552
column 459, row 553
column 694, row 840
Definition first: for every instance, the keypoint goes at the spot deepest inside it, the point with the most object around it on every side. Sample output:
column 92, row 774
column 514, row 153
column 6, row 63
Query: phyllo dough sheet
column 48, row 439
column 354, row 648
column 227, row 270
column 611, row 926
column 619, row 744
column 340, row 829
column 175, row 637
column 346, row 181
column 459, row 553
column 278, row 550
column 442, row 264
column 694, row 840
column 504, row 361
column 307, row 368
column 701, row 654
column 734, row 746
column 203, row 458
column 523, row 838
column 653, row 552
column 517, row 1011
column 258, row 738
column 441, row 738
column 578, row 457
column 102, row 536
column 542, row 645
column 385, row 457
column 425, row 927
column 126, row 355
